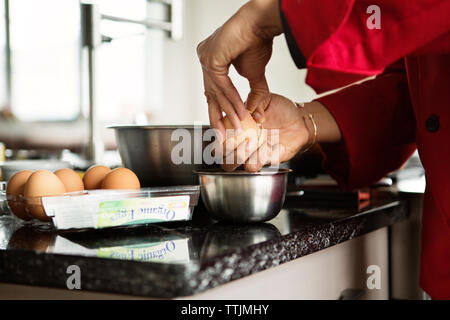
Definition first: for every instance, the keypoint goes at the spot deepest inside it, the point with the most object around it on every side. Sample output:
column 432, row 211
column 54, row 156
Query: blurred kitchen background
column 143, row 76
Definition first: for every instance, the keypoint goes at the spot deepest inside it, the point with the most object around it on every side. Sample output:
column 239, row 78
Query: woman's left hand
column 283, row 134
column 287, row 130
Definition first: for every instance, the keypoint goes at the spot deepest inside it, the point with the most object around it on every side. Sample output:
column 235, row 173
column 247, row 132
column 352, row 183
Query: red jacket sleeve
column 333, row 41
column 378, row 129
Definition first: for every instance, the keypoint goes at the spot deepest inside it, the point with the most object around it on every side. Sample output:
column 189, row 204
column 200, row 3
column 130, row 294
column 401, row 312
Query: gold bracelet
column 310, row 116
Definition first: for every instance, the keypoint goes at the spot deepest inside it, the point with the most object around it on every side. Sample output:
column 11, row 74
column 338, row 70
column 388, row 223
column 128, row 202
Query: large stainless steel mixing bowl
column 243, row 197
column 147, row 151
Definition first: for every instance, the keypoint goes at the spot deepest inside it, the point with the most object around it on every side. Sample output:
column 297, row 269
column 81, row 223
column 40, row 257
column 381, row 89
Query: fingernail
column 258, row 116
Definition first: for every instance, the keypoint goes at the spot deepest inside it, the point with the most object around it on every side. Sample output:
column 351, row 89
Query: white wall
column 182, row 100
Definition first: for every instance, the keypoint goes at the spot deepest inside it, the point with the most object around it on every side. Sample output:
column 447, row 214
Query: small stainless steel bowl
column 243, row 197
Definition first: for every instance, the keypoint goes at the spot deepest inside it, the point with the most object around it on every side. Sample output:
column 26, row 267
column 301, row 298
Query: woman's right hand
column 244, row 41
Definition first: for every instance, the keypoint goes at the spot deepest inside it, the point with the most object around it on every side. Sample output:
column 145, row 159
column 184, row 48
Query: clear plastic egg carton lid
column 4, row 210
column 112, row 208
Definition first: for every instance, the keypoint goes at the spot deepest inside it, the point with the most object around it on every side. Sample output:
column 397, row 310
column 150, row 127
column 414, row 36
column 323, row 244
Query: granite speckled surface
column 178, row 258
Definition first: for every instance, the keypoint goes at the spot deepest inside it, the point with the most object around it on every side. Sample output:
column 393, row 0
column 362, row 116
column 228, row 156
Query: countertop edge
column 193, row 278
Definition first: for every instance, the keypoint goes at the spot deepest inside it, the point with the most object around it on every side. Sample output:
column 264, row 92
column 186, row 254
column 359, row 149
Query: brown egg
column 41, row 183
column 121, row 178
column 250, row 129
column 71, row 180
column 93, row 177
column 14, row 190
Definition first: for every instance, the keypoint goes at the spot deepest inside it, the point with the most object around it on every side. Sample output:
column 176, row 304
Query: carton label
column 172, row 251
column 142, row 210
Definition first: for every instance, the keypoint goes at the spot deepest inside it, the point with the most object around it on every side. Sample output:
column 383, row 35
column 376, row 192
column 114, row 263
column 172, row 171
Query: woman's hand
column 244, row 41
column 287, row 130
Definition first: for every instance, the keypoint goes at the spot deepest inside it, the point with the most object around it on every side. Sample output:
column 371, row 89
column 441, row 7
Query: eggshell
column 15, row 189
column 40, row 184
column 121, row 178
column 71, row 180
column 250, row 129
column 93, row 177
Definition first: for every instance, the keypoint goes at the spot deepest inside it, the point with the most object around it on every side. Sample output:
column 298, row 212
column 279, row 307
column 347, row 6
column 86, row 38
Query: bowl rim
column 264, row 172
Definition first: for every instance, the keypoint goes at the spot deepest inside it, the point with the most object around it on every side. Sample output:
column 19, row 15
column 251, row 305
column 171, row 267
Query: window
column 45, row 59
column 3, row 89
column 120, row 69
column 46, row 68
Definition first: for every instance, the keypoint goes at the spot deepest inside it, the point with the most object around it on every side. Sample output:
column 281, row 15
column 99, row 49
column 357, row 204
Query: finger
column 217, row 146
column 214, row 110
column 230, row 161
column 258, row 159
column 221, row 104
column 224, row 83
column 233, row 151
column 262, row 138
column 259, row 97
column 229, row 145
column 249, row 147
column 240, row 155
column 255, row 138
column 226, row 106
column 215, row 115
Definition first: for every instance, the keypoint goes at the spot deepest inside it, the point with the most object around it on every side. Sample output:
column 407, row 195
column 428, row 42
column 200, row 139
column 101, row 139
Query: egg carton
column 112, row 208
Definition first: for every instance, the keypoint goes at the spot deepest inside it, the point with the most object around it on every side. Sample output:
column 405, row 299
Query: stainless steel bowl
column 243, row 197
column 146, row 150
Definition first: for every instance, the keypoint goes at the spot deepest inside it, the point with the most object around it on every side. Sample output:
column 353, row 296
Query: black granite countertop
column 179, row 258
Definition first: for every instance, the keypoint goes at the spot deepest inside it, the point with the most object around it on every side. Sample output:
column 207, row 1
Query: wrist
column 328, row 130
column 265, row 17
column 306, row 118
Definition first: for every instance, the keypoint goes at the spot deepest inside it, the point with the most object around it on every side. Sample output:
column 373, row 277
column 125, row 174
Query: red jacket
column 384, row 119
